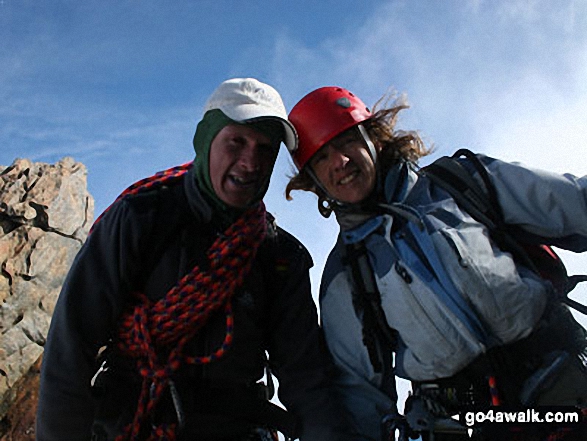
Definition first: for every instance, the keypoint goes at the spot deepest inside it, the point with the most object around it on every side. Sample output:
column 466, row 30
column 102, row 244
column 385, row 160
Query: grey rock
column 45, row 215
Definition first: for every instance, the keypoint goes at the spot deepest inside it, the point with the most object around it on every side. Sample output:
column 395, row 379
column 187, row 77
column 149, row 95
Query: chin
column 351, row 200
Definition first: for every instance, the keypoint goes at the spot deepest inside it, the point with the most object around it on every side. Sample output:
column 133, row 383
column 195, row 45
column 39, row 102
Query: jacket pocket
column 436, row 343
column 468, row 259
column 508, row 302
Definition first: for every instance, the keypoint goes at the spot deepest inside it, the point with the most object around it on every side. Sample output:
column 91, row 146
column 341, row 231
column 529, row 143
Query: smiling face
column 345, row 168
column 241, row 160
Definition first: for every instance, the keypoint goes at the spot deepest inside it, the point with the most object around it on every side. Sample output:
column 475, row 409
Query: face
column 345, row 168
column 241, row 160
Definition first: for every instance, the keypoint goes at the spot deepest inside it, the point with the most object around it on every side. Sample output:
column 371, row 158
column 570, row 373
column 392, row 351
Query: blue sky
column 119, row 85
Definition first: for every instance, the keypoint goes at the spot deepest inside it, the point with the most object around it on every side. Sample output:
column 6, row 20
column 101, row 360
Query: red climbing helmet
column 320, row 116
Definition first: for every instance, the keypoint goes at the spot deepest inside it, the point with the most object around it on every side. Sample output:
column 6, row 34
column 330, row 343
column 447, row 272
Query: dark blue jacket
column 147, row 242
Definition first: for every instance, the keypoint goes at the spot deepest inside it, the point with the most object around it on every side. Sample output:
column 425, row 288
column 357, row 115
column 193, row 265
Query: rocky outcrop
column 45, row 215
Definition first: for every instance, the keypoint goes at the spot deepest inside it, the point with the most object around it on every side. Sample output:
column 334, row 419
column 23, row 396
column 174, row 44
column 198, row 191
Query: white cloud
column 552, row 138
column 506, row 78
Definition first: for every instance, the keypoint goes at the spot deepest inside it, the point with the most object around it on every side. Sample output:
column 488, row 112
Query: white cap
column 248, row 100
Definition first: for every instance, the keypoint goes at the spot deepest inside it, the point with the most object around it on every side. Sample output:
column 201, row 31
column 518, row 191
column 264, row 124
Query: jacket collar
column 197, row 203
column 398, row 180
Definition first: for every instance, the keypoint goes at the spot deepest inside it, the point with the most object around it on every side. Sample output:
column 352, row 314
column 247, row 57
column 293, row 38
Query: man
column 183, row 285
column 418, row 287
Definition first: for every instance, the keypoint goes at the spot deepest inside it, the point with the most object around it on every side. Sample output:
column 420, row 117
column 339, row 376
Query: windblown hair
column 393, row 145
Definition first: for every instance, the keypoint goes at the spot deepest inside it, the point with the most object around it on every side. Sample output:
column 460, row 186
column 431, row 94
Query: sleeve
column 85, row 316
column 543, row 203
column 299, row 357
column 364, row 404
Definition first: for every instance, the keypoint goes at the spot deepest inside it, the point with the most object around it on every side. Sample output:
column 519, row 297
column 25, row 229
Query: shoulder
column 334, row 266
column 142, row 213
column 286, row 245
column 157, row 199
column 162, row 207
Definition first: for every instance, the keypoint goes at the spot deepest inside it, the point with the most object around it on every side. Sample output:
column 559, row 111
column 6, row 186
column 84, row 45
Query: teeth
column 242, row 182
column 348, row 178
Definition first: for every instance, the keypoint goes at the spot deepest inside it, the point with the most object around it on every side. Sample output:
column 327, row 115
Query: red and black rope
column 149, row 329
column 158, row 179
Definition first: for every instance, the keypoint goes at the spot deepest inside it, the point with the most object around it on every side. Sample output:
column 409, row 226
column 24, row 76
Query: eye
column 268, row 151
column 320, row 156
column 237, row 142
column 348, row 139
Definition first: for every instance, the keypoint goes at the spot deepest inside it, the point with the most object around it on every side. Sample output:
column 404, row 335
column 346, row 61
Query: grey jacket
column 447, row 289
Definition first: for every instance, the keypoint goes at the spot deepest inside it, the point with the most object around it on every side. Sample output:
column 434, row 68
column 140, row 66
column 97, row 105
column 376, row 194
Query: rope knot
column 153, row 330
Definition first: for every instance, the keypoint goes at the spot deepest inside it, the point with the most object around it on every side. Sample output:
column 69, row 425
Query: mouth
column 244, row 183
column 349, row 178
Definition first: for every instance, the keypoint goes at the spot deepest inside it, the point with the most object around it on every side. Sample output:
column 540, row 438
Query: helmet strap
column 317, row 182
column 370, row 145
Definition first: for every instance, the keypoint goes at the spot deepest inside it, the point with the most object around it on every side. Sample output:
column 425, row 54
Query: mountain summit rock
column 45, row 215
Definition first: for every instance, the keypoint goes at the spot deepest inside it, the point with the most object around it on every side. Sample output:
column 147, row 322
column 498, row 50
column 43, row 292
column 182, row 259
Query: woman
column 414, row 273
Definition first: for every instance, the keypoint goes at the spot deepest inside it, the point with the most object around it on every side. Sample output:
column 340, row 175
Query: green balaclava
column 211, row 124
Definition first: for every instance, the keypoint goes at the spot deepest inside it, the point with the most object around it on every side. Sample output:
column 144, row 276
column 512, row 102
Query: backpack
column 455, row 175
column 464, row 177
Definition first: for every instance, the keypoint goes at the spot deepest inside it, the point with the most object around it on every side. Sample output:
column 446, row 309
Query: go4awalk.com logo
column 542, row 415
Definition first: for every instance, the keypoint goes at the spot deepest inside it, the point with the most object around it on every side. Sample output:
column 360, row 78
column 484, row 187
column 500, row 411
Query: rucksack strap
column 455, row 176
column 378, row 337
column 481, row 203
column 452, row 175
column 572, row 282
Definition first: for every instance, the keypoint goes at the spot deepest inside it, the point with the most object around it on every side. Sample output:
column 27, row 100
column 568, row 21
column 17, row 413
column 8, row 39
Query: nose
column 250, row 157
column 338, row 159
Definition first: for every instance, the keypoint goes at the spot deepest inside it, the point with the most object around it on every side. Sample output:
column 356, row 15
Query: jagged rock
column 45, row 215
column 19, row 422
